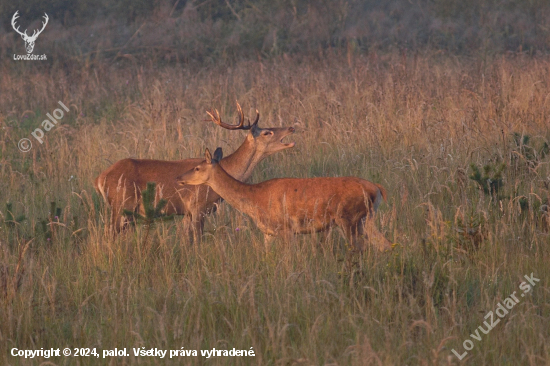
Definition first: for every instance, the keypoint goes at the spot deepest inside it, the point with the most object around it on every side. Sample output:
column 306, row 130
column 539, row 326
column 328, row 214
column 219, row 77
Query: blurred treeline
column 226, row 29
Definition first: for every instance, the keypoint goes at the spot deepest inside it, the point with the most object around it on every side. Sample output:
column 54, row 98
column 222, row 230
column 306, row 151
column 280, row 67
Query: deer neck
column 242, row 162
column 233, row 191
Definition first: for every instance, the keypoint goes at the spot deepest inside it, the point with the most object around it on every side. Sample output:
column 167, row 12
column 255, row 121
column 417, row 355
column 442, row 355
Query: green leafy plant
column 152, row 212
column 528, row 152
column 490, row 180
column 471, row 229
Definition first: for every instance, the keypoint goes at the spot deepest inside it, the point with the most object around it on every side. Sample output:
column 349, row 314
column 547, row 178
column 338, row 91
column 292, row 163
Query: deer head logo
column 29, row 40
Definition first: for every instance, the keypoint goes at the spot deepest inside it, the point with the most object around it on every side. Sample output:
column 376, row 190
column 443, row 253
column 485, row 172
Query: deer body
column 298, row 206
column 122, row 183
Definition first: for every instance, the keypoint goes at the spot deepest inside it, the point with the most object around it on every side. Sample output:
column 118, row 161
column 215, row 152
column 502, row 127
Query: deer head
column 201, row 173
column 29, row 40
column 266, row 141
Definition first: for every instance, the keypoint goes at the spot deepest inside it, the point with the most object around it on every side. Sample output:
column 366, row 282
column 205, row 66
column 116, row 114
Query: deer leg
column 351, row 232
column 193, row 224
column 187, row 228
column 197, row 226
column 116, row 224
column 119, row 222
column 326, row 235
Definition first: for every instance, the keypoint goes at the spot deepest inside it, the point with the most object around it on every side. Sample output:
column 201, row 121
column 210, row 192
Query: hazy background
column 213, row 30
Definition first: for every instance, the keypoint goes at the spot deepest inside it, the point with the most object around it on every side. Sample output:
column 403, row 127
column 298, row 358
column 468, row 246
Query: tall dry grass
column 413, row 123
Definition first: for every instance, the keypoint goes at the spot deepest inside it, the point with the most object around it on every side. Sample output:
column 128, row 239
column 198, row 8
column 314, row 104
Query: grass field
column 414, row 123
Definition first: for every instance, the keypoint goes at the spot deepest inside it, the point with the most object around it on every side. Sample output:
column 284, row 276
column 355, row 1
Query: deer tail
column 382, row 192
column 99, row 186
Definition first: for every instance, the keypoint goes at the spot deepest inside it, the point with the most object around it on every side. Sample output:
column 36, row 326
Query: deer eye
column 267, row 133
column 197, row 169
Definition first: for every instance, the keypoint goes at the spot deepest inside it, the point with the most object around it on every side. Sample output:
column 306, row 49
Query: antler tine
column 46, row 18
column 241, row 117
column 13, row 19
column 217, row 120
column 257, row 118
column 214, row 119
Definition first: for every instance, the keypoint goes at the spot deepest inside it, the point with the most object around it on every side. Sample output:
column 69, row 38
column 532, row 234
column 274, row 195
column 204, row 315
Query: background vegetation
column 220, row 30
column 456, row 130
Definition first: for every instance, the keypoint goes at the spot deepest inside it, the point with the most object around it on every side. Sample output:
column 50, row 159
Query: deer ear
column 208, row 156
column 218, row 154
column 255, row 124
column 255, row 130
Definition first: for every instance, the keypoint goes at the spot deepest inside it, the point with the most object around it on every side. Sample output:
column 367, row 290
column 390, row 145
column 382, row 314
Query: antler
column 217, row 120
column 257, row 118
column 13, row 19
column 24, row 34
column 34, row 34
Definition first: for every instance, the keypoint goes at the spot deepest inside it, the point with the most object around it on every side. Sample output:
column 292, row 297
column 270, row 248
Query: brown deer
column 121, row 184
column 292, row 205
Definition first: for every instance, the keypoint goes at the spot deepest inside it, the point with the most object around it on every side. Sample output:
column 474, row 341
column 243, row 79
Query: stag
column 298, row 206
column 29, row 40
column 122, row 183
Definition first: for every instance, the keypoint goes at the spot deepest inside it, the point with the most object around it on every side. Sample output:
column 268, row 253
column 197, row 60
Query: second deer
column 292, row 205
